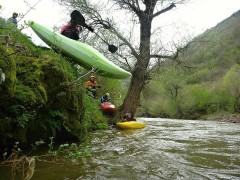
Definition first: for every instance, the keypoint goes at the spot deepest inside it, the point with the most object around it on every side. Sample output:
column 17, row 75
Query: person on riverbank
column 128, row 117
column 13, row 19
column 91, row 86
column 105, row 98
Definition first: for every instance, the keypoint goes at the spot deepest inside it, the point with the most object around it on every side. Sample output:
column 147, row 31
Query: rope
column 29, row 10
column 78, row 79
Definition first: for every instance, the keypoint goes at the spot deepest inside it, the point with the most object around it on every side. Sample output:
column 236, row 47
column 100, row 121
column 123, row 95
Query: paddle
column 78, row 18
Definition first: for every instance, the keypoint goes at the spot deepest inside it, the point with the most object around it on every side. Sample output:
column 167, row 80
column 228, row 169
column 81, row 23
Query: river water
column 164, row 149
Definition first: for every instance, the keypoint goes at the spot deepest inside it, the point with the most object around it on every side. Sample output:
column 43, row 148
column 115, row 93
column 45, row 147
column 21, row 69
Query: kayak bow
column 131, row 125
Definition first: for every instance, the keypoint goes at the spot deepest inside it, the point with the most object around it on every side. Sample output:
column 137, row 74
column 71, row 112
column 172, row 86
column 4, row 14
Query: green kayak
column 81, row 53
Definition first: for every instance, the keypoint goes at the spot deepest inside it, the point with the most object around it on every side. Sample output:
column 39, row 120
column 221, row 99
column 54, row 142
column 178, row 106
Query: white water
column 164, row 149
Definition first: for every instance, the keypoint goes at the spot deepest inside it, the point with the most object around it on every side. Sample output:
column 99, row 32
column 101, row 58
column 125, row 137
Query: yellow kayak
column 131, row 125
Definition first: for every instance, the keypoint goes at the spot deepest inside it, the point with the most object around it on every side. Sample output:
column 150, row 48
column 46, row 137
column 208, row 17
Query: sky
column 196, row 16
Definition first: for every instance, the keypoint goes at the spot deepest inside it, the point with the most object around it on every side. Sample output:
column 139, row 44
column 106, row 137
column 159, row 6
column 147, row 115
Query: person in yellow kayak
column 128, row 117
column 92, row 86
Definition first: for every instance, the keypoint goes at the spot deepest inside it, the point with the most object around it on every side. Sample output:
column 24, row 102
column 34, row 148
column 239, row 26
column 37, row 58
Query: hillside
column 208, row 86
column 216, row 50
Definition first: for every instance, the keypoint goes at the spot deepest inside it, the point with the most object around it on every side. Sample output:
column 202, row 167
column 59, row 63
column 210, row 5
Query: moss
column 25, row 95
column 37, row 102
column 92, row 120
column 8, row 65
column 42, row 93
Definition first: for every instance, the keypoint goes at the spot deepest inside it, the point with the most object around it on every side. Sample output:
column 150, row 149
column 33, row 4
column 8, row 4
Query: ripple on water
column 164, row 149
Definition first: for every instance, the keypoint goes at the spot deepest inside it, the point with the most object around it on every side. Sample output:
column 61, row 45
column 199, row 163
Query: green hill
column 216, row 50
column 209, row 86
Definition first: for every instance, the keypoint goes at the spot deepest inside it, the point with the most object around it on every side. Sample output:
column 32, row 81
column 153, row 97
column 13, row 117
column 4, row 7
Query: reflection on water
column 164, row 149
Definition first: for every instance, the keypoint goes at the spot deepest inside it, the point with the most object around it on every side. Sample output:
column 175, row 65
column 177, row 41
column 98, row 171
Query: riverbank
column 39, row 98
column 226, row 117
column 233, row 118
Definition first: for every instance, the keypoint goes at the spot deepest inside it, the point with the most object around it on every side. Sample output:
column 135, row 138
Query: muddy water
column 164, row 149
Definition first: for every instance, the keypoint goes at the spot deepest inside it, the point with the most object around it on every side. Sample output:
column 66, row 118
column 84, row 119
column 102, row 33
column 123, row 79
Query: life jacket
column 104, row 99
column 90, row 84
column 71, row 31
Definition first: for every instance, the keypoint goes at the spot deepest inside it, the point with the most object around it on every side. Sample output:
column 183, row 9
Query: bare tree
column 137, row 57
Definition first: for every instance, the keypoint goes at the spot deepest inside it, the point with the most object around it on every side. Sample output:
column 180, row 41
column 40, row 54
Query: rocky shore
column 233, row 118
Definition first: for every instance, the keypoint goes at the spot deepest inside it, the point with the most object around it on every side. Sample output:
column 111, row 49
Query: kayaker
column 92, row 86
column 13, row 19
column 105, row 98
column 71, row 30
column 128, row 117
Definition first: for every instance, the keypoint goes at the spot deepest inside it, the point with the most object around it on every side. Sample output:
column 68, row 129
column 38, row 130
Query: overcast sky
column 197, row 15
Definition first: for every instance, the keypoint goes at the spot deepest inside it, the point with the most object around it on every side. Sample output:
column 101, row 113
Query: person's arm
column 10, row 20
column 75, row 36
column 88, row 85
column 102, row 101
column 64, row 27
column 75, row 32
column 133, row 118
column 96, row 85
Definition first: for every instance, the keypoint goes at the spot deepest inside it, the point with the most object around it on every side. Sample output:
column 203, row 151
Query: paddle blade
column 112, row 48
column 77, row 18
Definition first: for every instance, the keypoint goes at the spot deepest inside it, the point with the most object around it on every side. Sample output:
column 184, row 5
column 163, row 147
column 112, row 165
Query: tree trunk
column 132, row 99
column 237, row 104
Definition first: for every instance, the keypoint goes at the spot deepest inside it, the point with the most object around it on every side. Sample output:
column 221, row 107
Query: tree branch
column 137, row 3
column 160, row 56
column 164, row 10
column 175, row 55
column 126, row 61
column 131, row 4
column 134, row 52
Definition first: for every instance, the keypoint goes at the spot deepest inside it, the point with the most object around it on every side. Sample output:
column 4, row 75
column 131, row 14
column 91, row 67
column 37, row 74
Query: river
column 164, row 149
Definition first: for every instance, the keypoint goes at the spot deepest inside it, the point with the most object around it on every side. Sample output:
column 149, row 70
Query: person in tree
column 13, row 19
column 92, row 86
column 105, row 98
column 71, row 30
column 128, row 117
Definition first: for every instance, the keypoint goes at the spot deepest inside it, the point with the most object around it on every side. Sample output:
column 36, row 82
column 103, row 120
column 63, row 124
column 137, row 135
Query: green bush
column 93, row 118
column 232, row 85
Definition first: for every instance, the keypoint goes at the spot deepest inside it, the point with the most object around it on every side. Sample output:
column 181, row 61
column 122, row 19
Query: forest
column 206, row 82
